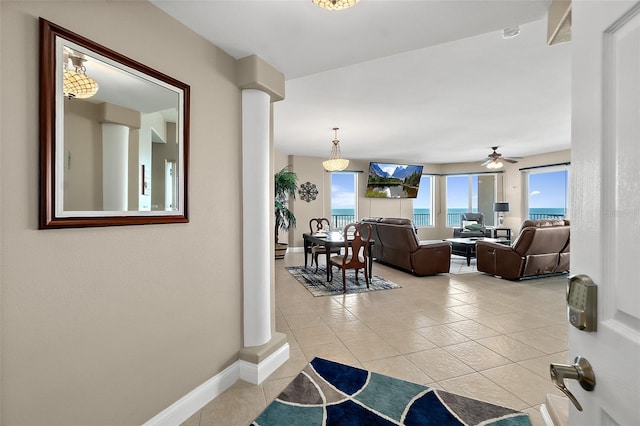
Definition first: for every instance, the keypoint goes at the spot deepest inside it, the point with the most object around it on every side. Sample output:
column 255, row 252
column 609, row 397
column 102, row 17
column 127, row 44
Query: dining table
column 329, row 240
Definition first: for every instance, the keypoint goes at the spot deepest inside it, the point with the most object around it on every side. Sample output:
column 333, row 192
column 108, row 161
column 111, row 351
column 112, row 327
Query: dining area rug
column 316, row 282
column 459, row 265
column 329, row 393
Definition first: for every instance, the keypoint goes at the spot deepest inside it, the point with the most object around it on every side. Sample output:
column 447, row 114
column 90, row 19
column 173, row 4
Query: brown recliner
column 396, row 243
column 542, row 247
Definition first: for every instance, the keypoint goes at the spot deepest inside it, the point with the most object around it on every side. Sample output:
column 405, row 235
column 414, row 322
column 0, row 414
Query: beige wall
column 509, row 188
column 112, row 325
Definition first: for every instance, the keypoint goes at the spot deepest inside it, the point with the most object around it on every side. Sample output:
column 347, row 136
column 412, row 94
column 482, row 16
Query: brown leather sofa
column 397, row 244
column 542, row 247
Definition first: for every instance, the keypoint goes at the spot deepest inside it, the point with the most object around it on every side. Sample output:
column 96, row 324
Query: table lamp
column 501, row 208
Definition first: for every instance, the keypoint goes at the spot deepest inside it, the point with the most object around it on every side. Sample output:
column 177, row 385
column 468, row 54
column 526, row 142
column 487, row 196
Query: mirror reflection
column 114, row 136
column 120, row 137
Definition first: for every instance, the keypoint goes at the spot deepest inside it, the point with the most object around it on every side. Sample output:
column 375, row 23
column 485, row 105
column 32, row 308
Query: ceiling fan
column 495, row 159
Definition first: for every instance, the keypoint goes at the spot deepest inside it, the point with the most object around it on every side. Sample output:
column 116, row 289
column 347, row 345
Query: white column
column 115, row 164
column 256, row 217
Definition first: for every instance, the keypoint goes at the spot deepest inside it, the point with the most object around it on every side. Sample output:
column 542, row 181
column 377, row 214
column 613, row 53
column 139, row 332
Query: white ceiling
column 413, row 81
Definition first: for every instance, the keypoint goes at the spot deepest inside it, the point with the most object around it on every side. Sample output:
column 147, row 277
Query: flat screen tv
column 393, row 180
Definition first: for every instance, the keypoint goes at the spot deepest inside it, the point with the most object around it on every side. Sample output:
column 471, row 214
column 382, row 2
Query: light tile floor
column 471, row 334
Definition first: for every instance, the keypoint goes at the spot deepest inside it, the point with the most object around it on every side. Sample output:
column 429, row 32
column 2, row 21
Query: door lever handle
column 580, row 370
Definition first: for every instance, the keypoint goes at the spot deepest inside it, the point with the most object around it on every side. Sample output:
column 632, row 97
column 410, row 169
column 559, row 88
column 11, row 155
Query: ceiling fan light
column 335, row 4
column 495, row 165
column 495, row 160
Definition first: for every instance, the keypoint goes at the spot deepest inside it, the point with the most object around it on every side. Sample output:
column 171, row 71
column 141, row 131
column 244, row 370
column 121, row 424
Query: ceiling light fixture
column 335, row 163
column 495, row 164
column 495, row 160
column 335, row 4
column 76, row 83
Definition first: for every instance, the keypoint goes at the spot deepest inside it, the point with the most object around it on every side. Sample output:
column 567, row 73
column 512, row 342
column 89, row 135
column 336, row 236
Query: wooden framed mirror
column 114, row 137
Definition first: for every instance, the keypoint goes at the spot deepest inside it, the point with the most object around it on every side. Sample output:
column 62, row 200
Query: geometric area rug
column 317, row 283
column 330, row 393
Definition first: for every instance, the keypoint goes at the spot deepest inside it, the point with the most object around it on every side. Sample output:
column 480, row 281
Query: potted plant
column 285, row 186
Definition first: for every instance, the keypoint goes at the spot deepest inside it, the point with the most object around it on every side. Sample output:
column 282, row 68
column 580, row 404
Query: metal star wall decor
column 308, row 192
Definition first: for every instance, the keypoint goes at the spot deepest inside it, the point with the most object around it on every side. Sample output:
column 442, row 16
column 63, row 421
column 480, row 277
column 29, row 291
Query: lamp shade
column 335, row 164
column 78, row 85
column 500, row 207
column 335, row 4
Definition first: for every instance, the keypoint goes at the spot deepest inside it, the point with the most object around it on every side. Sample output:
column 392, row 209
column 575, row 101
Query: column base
column 259, row 362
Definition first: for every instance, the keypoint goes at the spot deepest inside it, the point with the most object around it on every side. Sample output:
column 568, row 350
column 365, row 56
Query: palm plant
column 285, row 185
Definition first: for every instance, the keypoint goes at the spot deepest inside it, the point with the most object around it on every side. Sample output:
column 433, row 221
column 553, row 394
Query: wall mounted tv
column 393, row 180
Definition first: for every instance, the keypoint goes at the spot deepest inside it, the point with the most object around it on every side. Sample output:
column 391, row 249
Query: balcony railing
column 545, row 216
column 341, row 220
column 422, row 219
column 454, row 219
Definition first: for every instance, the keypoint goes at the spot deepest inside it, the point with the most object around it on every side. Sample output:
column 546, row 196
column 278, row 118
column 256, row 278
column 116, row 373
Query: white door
column 605, row 226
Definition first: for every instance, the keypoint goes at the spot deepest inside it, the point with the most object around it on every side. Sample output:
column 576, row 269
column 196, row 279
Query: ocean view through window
column 343, row 198
column 470, row 193
column 548, row 193
column 423, row 204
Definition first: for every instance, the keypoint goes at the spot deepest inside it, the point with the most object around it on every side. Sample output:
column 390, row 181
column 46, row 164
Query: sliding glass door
column 470, row 193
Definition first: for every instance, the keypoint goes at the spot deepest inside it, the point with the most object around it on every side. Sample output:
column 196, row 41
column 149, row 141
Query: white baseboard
column 188, row 405
column 256, row 374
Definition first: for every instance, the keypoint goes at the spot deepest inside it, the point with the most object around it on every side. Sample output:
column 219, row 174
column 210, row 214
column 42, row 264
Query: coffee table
column 467, row 246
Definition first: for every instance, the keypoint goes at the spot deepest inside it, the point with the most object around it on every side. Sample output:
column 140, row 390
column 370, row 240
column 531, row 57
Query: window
column 470, row 193
column 423, row 204
column 548, row 192
column 343, row 198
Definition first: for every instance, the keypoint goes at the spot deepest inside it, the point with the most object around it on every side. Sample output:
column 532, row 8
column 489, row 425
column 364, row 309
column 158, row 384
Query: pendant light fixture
column 76, row 83
column 335, row 163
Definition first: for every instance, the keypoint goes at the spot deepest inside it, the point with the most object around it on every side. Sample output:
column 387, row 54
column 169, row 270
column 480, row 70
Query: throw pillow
column 466, row 223
column 475, row 227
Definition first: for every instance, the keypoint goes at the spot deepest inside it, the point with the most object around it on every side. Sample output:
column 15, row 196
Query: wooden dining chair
column 316, row 225
column 356, row 254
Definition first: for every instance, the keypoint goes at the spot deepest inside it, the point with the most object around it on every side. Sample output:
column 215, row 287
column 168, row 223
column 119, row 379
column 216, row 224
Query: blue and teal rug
column 329, row 393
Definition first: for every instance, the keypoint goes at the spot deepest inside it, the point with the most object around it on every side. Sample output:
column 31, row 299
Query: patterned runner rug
column 329, row 393
column 317, row 283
